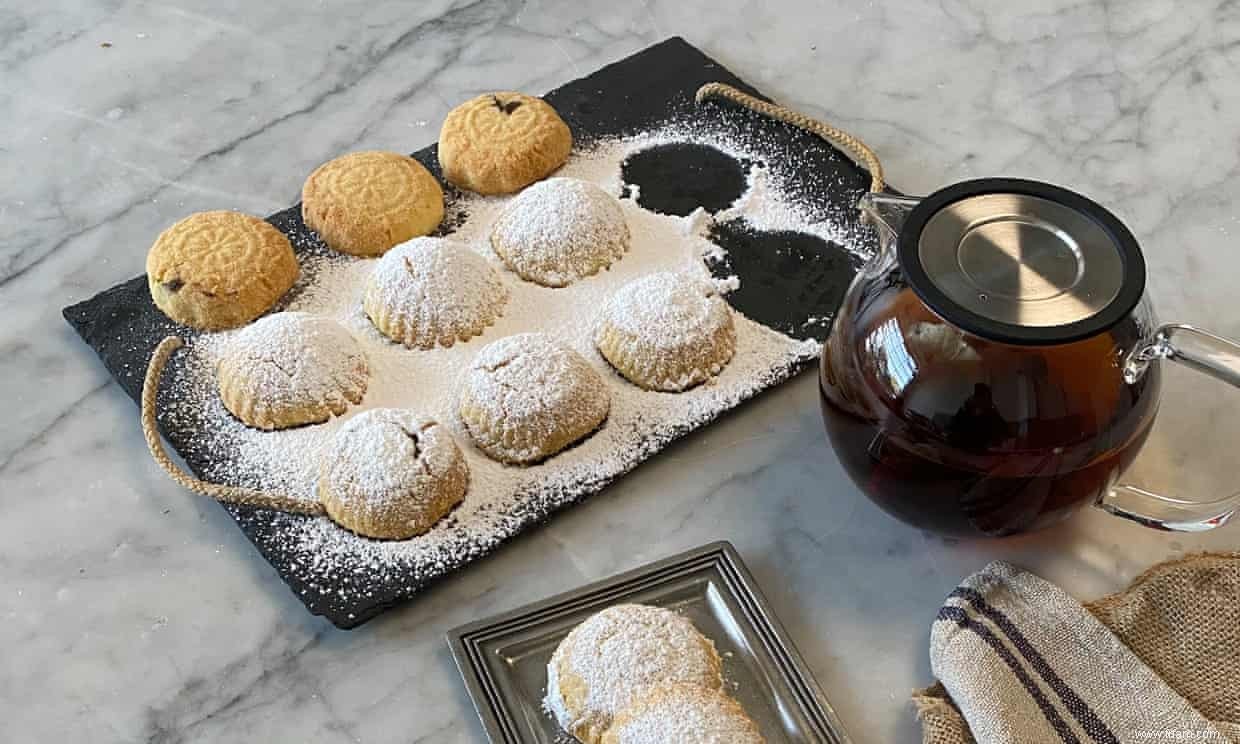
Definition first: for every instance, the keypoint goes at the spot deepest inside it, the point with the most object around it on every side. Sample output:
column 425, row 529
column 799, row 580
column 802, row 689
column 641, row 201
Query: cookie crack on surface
column 413, row 437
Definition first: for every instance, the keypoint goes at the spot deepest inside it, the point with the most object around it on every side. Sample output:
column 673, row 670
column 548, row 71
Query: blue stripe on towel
column 1080, row 710
column 961, row 618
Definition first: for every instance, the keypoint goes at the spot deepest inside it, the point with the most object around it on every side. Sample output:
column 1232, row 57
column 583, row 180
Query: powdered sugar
column 667, row 311
column 686, row 713
column 433, row 290
column 382, row 454
column 292, row 366
column 526, row 397
column 560, row 230
column 623, row 651
column 347, row 570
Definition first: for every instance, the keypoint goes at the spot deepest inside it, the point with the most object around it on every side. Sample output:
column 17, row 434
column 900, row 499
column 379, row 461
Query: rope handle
column 859, row 151
column 219, row 492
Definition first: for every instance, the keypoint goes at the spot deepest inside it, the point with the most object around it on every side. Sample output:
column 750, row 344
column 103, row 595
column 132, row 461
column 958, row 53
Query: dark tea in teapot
column 968, row 436
column 997, row 363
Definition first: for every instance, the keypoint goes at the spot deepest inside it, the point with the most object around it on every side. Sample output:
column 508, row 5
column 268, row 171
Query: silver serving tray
column 503, row 659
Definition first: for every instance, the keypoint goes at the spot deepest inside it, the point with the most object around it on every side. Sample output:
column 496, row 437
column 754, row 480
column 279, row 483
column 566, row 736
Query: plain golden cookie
column 609, row 661
column 560, row 230
column 216, row 270
column 500, row 143
column 290, row 369
column 364, row 203
column 432, row 291
column 526, row 397
column 391, row 474
column 666, row 332
column 683, row 713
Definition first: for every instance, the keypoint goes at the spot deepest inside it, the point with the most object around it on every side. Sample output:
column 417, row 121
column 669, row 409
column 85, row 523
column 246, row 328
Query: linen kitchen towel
column 1024, row 663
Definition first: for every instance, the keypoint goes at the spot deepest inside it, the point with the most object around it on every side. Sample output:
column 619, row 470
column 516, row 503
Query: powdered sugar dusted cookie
column 364, row 203
column 666, row 332
column 683, row 713
column 527, row 397
column 499, row 143
column 432, row 291
column 616, row 656
column 560, row 230
column 390, row 473
column 289, row 369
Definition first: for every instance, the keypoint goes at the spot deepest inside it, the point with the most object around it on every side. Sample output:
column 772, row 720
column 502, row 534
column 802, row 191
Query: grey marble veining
column 134, row 611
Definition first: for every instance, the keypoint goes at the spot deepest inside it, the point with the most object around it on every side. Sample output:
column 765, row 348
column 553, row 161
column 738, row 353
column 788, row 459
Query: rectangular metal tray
column 503, row 659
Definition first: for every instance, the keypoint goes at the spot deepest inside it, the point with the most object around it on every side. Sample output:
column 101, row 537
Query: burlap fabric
column 1178, row 623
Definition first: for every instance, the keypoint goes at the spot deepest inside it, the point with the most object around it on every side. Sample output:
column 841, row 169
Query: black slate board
column 790, row 288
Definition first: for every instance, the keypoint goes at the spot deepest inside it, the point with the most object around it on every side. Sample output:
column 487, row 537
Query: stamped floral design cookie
column 500, row 143
column 216, row 270
column 364, row 203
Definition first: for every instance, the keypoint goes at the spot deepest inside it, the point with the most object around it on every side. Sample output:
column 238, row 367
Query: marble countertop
column 135, row 611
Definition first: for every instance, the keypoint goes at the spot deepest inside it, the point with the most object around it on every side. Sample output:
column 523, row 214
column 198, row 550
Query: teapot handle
column 1205, row 352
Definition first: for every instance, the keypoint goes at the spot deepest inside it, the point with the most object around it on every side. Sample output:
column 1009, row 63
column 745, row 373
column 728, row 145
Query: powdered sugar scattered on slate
column 345, row 569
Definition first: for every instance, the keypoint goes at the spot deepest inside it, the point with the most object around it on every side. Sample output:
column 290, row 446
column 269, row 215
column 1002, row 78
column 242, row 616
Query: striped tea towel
column 1025, row 664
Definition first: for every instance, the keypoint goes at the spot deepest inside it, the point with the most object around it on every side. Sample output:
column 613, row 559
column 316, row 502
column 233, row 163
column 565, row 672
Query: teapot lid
column 1021, row 262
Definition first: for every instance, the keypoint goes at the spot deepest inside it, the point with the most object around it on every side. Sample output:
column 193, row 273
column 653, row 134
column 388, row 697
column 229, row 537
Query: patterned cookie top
column 508, row 118
column 372, row 183
column 683, row 713
column 501, row 142
column 294, row 360
column 221, row 253
column 619, row 653
column 560, row 230
column 433, row 290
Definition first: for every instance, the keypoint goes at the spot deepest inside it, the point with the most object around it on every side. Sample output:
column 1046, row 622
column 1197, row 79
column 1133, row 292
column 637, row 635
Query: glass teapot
column 997, row 364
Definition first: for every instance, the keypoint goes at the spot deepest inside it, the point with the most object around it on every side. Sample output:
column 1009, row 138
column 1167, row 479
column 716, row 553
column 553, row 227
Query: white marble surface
column 134, row 611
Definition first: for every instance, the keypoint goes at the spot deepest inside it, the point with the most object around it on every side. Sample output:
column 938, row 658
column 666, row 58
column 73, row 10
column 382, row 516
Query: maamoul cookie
column 364, row 203
column 666, row 332
column 216, row 270
column 614, row 657
column 392, row 474
column 289, row 369
column 526, row 397
column 432, row 291
column 683, row 713
column 502, row 142
column 560, row 230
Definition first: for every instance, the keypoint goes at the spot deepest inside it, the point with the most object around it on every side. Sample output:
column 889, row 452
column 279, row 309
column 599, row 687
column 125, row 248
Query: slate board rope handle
column 859, row 151
column 226, row 494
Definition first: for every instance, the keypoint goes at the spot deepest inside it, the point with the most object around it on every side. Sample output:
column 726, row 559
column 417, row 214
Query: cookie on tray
column 613, row 658
column 499, row 143
column 683, row 713
column 217, row 270
column 364, row 203
column 526, row 397
column 666, row 331
column 560, row 230
column 290, row 369
column 432, row 291
column 392, row 474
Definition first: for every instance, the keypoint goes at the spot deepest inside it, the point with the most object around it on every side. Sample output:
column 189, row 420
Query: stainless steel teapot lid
column 1021, row 262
